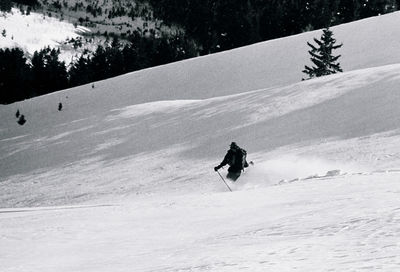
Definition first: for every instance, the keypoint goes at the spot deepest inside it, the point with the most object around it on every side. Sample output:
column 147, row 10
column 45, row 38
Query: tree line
column 6, row 5
column 22, row 78
column 218, row 25
column 224, row 24
column 207, row 26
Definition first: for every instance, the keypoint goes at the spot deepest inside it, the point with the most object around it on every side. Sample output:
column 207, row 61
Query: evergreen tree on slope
column 321, row 56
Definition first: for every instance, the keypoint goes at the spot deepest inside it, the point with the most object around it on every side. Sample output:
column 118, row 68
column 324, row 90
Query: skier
column 236, row 158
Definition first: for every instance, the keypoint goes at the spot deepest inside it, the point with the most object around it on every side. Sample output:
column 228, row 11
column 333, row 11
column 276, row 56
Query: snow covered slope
column 158, row 146
column 367, row 43
column 121, row 179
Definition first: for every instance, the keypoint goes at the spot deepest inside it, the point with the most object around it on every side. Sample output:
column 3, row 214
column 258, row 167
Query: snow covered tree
column 321, row 56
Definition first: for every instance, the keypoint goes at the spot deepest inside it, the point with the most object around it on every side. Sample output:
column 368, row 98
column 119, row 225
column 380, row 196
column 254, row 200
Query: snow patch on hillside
column 36, row 31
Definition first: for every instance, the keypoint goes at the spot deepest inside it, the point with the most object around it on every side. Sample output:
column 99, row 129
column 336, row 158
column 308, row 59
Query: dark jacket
column 234, row 158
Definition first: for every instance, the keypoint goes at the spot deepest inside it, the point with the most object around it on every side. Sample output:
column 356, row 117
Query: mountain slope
column 122, row 178
column 165, row 141
column 107, row 126
column 367, row 43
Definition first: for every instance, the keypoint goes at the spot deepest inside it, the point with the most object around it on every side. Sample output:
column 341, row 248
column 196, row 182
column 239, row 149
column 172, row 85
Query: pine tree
column 15, row 76
column 321, row 56
column 49, row 73
column 80, row 72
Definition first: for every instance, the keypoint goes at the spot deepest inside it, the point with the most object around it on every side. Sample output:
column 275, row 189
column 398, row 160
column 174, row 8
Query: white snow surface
column 122, row 178
column 36, row 31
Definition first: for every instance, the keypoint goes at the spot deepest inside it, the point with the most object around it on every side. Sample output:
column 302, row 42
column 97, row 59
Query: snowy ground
column 332, row 224
column 122, row 178
column 35, row 31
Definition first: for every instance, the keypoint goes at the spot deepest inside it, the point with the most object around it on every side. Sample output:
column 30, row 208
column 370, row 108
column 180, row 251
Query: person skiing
column 236, row 158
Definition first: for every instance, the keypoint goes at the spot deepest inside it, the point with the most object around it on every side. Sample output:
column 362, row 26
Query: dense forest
column 224, row 24
column 205, row 26
column 45, row 73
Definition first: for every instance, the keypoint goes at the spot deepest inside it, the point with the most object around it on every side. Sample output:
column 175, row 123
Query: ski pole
column 224, row 181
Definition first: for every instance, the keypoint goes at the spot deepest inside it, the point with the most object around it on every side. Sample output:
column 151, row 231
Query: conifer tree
column 80, row 72
column 49, row 73
column 15, row 76
column 321, row 56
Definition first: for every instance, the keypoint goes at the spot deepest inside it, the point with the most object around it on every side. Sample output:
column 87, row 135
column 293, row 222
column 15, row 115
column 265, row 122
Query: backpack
column 239, row 161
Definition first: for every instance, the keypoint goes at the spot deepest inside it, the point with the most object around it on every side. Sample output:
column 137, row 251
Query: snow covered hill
column 121, row 179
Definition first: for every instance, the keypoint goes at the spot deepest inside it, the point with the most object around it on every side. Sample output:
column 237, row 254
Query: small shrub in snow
column 21, row 121
column 332, row 173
